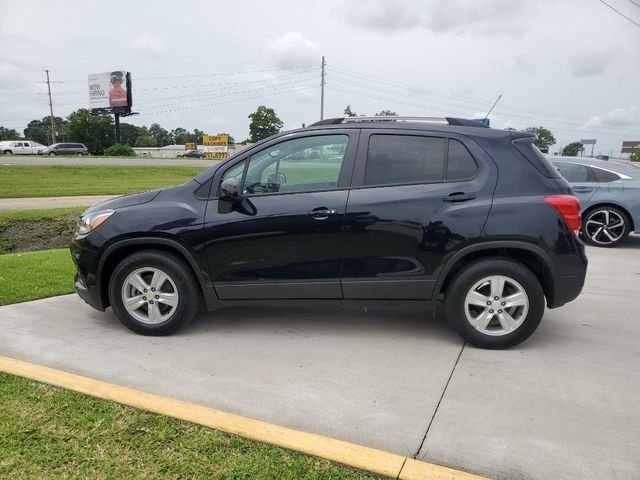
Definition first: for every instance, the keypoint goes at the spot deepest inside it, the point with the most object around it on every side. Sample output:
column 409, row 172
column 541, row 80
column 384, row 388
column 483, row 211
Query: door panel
column 278, row 242
column 398, row 236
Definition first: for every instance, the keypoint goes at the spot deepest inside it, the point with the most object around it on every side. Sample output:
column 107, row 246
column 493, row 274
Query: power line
column 635, row 3
column 620, row 13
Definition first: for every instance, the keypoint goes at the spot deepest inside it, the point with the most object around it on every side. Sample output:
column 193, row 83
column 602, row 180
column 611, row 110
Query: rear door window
column 397, row 159
column 604, row 176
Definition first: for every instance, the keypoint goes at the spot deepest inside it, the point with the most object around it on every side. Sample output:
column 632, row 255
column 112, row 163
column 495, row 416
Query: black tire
column 590, row 233
column 475, row 272
column 52, row 154
column 80, row 154
column 180, row 273
column 7, row 152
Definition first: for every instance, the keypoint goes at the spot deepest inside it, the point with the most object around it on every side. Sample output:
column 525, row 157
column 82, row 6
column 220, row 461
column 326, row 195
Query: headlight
column 90, row 221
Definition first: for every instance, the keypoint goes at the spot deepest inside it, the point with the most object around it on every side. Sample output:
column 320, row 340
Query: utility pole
column 322, row 82
column 53, row 125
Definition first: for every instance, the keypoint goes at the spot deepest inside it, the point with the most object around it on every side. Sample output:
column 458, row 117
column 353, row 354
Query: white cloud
column 592, row 63
column 489, row 17
column 293, row 50
column 148, row 46
column 628, row 117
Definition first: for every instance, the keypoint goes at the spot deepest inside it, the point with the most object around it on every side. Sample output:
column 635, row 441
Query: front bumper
column 84, row 252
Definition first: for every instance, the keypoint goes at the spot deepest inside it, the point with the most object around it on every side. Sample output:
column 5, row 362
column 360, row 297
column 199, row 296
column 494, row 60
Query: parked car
column 192, row 154
column 65, row 149
column 20, row 147
column 609, row 193
column 363, row 210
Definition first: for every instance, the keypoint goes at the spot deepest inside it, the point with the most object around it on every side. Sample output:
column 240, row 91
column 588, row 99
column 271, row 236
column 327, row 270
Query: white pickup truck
column 20, row 147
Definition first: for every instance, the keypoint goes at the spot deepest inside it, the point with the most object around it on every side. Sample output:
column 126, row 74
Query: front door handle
column 458, row 197
column 583, row 189
column 322, row 213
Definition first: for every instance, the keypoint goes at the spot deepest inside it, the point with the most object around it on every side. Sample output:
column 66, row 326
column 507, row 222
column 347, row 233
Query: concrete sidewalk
column 565, row 404
column 52, row 202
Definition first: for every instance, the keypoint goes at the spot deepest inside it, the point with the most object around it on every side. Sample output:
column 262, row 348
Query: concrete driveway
column 565, row 404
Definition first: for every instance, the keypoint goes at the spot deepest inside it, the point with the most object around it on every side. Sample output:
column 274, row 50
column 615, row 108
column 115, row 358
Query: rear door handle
column 458, row 197
column 583, row 189
column 322, row 213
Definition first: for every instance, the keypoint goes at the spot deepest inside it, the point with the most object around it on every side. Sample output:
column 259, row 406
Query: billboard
column 216, row 146
column 630, row 146
column 111, row 90
column 588, row 141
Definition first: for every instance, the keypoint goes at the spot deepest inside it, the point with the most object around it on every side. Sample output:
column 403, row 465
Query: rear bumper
column 567, row 288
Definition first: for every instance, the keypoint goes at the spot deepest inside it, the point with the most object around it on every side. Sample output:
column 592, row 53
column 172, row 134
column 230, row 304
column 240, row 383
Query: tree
column 386, row 113
column 544, row 138
column 8, row 134
column 264, row 123
column 162, row 136
column 95, row 131
column 350, row 113
column 129, row 133
column 40, row 130
column 635, row 156
column 146, row 141
column 573, row 149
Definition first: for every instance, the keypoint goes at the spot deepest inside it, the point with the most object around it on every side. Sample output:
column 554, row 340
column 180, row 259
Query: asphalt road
column 563, row 405
column 124, row 161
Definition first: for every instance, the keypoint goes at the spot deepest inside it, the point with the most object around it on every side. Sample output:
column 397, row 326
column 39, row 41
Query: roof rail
column 392, row 118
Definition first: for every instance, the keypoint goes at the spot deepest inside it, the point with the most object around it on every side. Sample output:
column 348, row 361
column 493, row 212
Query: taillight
column 569, row 208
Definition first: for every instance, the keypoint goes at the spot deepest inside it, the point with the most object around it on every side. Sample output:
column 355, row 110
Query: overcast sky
column 570, row 65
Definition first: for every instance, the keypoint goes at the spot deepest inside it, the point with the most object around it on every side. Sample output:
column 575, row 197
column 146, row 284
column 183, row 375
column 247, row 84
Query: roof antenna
column 492, row 107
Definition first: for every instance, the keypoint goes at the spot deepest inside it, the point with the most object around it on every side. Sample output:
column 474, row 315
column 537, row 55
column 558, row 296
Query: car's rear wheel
column 605, row 226
column 7, row 152
column 154, row 293
column 80, row 154
column 52, row 154
column 495, row 303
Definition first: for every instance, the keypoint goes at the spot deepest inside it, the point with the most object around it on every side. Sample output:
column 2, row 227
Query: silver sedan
column 609, row 193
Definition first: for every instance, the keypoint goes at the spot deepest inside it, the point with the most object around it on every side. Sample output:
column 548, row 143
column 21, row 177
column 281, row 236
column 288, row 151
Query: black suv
column 361, row 210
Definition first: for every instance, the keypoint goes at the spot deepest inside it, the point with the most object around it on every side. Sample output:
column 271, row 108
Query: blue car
column 609, row 193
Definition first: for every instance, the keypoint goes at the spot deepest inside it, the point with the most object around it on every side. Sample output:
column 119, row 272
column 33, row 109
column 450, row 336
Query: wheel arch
column 595, row 206
column 531, row 256
column 123, row 248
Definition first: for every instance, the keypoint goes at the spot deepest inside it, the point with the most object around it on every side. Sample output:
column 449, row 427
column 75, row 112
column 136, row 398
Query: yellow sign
column 190, row 146
column 216, row 155
column 215, row 140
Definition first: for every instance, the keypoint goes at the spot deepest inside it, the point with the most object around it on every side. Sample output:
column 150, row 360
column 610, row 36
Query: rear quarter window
column 460, row 163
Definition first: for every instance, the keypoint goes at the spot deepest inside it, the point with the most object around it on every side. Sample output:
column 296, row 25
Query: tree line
column 97, row 132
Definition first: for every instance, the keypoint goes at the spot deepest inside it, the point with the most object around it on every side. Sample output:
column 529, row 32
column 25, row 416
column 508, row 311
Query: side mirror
column 231, row 189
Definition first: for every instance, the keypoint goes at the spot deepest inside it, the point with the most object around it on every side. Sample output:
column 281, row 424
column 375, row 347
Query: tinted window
column 300, row 165
column 395, row 159
column 573, row 172
column 460, row 164
column 603, row 176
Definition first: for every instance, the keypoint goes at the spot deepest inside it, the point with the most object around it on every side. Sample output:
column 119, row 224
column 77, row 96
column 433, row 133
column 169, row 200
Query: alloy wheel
column 496, row 305
column 150, row 295
column 605, row 226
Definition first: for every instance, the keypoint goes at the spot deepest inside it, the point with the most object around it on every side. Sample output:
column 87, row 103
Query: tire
column 52, row 154
column 605, row 226
column 521, row 320
column 7, row 152
column 180, row 287
column 80, row 154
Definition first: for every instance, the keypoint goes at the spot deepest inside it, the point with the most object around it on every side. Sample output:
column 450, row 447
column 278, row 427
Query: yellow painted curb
column 357, row 456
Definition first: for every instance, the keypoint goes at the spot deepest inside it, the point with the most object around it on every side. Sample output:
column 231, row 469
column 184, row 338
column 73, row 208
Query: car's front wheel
column 605, row 226
column 154, row 292
column 52, row 154
column 495, row 303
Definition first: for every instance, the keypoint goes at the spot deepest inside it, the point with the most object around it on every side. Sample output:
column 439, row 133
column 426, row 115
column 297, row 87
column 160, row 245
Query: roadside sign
column 216, row 155
column 216, row 140
column 589, row 141
column 190, row 146
column 630, row 146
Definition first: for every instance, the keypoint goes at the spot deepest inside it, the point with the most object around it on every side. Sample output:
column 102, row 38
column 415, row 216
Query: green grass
column 47, row 432
column 41, row 214
column 33, row 275
column 51, row 181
